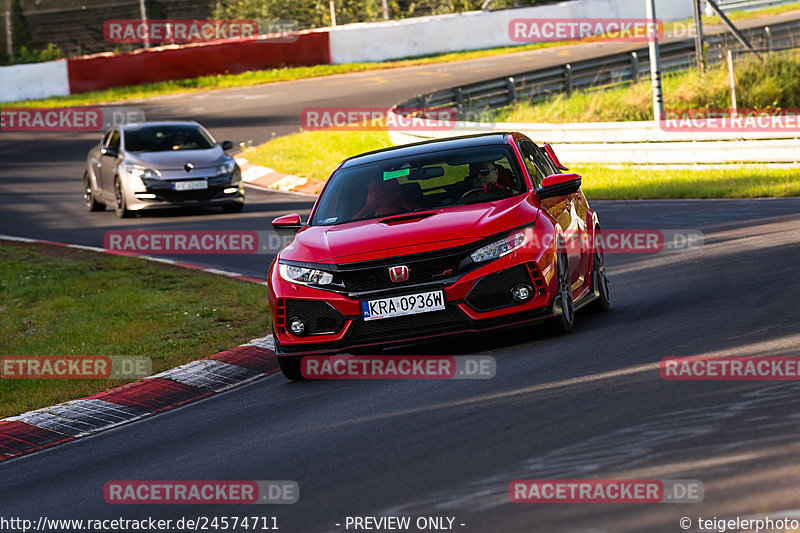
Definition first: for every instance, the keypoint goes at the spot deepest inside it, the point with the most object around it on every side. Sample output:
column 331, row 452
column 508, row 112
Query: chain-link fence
column 37, row 30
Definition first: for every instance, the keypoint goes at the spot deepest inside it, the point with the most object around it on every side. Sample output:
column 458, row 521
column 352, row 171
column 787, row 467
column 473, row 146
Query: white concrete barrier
column 34, row 80
column 633, row 145
column 475, row 30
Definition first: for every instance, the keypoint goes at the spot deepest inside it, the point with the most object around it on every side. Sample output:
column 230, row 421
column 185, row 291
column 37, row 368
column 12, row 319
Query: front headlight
column 226, row 168
column 304, row 276
column 143, row 173
column 504, row 246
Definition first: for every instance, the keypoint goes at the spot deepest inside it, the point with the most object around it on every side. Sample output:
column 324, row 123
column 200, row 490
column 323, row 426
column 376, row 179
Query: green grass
column 767, row 83
column 120, row 94
column 57, row 301
column 315, row 154
column 631, row 183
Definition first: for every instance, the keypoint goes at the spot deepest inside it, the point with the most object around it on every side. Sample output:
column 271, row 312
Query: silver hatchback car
column 152, row 165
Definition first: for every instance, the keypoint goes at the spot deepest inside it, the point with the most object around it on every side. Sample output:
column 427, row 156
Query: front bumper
column 476, row 301
column 158, row 194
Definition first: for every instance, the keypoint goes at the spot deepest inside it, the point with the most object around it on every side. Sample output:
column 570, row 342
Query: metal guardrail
column 594, row 74
column 732, row 5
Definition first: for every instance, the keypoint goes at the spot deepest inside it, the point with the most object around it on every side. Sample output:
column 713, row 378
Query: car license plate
column 410, row 304
column 189, row 185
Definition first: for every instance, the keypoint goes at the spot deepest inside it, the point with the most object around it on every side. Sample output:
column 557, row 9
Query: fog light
column 297, row 326
column 521, row 293
column 230, row 190
column 145, row 196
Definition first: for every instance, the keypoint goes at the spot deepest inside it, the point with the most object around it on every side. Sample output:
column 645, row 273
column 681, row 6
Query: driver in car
column 485, row 175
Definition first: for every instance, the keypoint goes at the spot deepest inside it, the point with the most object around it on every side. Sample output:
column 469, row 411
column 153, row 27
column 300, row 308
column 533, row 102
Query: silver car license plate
column 189, row 185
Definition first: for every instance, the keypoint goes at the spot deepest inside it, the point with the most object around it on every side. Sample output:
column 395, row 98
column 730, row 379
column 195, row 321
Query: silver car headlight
column 504, row 246
column 138, row 171
column 304, row 276
column 226, row 168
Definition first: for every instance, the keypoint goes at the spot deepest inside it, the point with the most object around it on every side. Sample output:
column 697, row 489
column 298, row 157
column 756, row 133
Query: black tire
column 233, row 208
column 599, row 284
column 120, row 206
column 290, row 366
column 564, row 321
column 88, row 195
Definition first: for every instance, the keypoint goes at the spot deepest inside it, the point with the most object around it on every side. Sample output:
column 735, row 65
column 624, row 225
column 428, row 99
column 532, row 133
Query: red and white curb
column 49, row 426
column 270, row 178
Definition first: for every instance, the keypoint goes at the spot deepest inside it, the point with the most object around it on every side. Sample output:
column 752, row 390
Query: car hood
column 176, row 159
column 403, row 235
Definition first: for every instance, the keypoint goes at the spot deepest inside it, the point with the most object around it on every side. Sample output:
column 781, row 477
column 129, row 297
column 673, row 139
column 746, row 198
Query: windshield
column 166, row 138
column 427, row 181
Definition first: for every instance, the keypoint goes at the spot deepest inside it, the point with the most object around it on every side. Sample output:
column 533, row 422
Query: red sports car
column 437, row 238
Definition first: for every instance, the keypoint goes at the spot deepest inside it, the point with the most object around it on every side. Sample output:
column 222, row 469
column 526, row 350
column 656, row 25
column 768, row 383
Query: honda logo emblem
column 398, row 273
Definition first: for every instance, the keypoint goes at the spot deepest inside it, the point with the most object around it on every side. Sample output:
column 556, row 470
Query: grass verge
column 60, row 301
column 314, row 155
column 633, row 183
column 769, row 82
column 222, row 81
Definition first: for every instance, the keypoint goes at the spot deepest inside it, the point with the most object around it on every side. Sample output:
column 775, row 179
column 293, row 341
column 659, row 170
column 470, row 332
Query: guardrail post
column 635, row 67
column 512, row 90
column 568, row 76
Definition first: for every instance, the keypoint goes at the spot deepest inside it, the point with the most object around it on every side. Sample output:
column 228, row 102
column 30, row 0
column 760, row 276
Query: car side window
column 544, row 161
column 106, row 138
column 533, row 163
column 113, row 141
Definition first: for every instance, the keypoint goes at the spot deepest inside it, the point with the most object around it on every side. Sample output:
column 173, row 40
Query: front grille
column 494, row 291
column 424, row 268
column 405, row 327
column 320, row 317
column 189, row 196
column 539, row 284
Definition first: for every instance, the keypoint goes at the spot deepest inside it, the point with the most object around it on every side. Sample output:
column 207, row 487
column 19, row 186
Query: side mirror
column 110, row 152
column 287, row 223
column 553, row 157
column 559, row 185
column 226, row 145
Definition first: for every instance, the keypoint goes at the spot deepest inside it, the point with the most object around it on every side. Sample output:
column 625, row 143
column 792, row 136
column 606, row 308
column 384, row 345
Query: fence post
column 568, row 75
column 9, row 38
column 635, row 67
column 143, row 14
column 769, row 36
column 698, row 36
column 512, row 90
column 733, row 83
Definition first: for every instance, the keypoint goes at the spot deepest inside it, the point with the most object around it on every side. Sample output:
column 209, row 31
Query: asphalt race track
column 589, row 404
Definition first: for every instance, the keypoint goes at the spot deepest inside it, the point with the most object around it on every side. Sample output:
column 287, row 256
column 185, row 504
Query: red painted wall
column 101, row 71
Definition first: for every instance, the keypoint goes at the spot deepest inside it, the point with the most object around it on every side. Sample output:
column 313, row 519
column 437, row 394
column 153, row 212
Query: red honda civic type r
column 431, row 239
